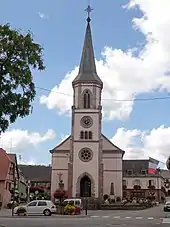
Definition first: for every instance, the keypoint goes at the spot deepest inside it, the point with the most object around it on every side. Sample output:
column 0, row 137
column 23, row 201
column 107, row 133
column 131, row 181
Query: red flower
column 60, row 194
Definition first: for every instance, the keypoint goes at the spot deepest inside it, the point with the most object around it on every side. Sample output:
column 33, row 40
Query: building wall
column 5, row 194
column 144, row 182
column 59, row 165
column 90, row 167
column 112, row 173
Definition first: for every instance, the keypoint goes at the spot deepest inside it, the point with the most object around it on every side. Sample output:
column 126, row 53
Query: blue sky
column 59, row 27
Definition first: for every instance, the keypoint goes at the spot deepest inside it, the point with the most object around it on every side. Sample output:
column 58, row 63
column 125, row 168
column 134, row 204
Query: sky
column 132, row 49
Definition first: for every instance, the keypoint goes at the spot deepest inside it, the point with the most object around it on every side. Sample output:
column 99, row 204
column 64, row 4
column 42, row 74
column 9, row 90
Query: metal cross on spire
column 88, row 10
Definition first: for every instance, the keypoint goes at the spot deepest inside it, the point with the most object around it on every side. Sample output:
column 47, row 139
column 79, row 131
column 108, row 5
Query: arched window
column 86, row 100
column 81, row 135
column 86, row 135
column 90, row 135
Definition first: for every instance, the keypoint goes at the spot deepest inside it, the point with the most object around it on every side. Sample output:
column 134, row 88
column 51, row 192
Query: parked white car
column 39, row 207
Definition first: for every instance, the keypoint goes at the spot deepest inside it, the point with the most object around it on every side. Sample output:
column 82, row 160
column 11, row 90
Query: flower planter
column 21, row 211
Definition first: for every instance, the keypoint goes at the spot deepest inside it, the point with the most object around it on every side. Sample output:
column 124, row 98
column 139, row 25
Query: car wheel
column 47, row 212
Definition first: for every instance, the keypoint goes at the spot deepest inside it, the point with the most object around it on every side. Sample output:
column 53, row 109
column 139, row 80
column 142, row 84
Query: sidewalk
column 5, row 212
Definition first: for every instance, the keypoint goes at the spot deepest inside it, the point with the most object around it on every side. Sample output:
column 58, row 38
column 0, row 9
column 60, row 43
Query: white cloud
column 124, row 75
column 42, row 15
column 19, row 140
column 143, row 144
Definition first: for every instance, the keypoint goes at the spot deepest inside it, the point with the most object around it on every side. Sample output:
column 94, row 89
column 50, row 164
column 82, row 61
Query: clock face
column 86, row 122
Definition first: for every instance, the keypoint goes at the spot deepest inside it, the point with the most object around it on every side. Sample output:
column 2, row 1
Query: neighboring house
column 17, row 176
column 137, row 182
column 22, row 186
column 8, row 168
column 38, row 178
column 166, row 175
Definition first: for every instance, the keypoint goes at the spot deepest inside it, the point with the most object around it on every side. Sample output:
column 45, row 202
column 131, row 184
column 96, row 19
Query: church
column 87, row 162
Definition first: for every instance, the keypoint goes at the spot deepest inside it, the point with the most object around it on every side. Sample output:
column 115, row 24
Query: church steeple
column 87, row 69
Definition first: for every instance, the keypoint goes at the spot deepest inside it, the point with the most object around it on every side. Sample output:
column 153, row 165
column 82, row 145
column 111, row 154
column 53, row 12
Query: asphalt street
column 147, row 218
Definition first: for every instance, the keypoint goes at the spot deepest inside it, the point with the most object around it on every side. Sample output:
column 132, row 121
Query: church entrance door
column 85, row 187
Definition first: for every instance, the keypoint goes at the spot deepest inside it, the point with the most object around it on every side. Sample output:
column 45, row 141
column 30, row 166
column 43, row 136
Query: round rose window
column 85, row 155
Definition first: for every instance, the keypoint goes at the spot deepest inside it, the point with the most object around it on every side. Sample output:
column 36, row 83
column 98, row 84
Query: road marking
column 150, row 218
column 105, row 216
column 128, row 217
column 139, row 217
column 166, row 220
column 116, row 217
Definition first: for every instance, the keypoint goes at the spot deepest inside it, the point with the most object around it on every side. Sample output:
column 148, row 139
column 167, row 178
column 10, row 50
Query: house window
column 124, row 183
column 143, row 172
column 151, row 182
column 86, row 100
column 137, row 182
column 129, row 172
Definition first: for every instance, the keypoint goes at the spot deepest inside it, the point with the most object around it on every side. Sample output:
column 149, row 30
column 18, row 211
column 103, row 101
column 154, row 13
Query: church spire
column 87, row 68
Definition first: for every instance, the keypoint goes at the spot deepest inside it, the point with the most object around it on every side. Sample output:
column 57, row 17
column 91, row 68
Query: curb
column 53, row 216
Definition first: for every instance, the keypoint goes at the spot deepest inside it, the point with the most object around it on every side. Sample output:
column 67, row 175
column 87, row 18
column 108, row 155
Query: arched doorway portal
column 85, row 187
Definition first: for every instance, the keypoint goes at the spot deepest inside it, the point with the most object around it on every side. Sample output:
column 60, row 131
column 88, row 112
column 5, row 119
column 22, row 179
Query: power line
column 111, row 99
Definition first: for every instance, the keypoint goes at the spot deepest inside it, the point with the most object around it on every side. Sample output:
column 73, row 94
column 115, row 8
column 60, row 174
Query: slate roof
column 165, row 173
column 87, row 70
column 135, row 165
column 36, row 173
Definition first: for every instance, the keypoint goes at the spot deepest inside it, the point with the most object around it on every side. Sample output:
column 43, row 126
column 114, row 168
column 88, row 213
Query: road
column 148, row 218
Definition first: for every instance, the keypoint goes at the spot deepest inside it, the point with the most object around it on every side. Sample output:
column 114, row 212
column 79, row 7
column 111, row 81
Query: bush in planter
column 69, row 209
column 118, row 199
column 112, row 201
column 21, row 210
column 137, row 187
column 151, row 187
column 105, row 197
column 78, row 210
column 124, row 187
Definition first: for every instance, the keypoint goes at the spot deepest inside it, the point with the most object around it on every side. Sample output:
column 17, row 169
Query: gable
column 4, row 164
column 13, row 158
column 63, row 146
column 109, row 146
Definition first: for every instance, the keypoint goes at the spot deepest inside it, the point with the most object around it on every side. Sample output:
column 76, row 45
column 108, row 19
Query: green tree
column 19, row 55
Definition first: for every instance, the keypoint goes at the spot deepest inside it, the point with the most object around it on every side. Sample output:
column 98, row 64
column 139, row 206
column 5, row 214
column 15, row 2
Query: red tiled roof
column 12, row 157
column 4, row 164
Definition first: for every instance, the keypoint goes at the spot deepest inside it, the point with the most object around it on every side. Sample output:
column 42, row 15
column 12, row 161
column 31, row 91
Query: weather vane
column 88, row 10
